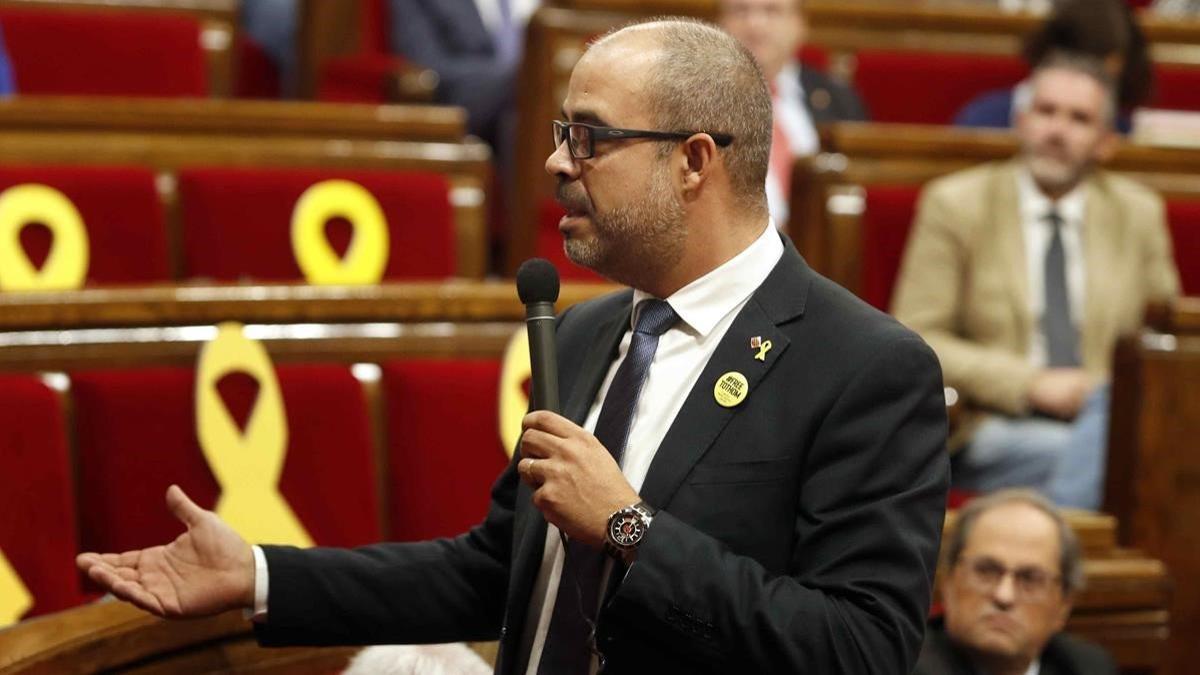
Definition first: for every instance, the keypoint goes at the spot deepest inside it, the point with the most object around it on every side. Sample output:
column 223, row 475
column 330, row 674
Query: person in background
column 273, row 25
column 1022, row 274
column 475, row 48
column 8, row 82
column 1104, row 29
column 1011, row 570
column 803, row 97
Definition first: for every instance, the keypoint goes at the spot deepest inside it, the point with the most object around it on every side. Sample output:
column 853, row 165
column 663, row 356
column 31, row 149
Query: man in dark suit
column 1013, row 567
column 475, row 48
column 759, row 453
column 803, row 97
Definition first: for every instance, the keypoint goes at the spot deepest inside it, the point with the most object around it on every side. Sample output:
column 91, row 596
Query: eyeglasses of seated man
column 1030, row 583
column 581, row 138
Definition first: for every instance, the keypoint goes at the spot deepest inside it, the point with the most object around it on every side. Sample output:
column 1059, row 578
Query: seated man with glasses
column 1012, row 569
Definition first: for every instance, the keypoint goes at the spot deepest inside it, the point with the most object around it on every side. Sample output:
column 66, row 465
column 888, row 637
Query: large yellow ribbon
column 247, row 465
column 367, row 257
column 67, row 263
column 514, row 372
column 15, row 599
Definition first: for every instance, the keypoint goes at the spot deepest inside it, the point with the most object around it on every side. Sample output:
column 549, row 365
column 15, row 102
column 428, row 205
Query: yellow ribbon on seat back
column 15, row 598
column 367, row 257
column 514, row 372
column 247, row 465
column 67, row 263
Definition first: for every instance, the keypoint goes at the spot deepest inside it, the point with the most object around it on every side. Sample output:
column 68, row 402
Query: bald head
column 696, row 77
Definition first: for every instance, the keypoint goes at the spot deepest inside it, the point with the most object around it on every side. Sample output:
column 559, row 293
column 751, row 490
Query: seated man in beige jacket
column 1022, row 275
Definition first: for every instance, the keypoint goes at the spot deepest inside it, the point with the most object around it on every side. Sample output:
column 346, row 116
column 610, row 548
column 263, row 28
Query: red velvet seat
column 1177, row 87
column 237, row 222
column 136, row 435
column 121, row 212
column 929, row 87
column 1183, row 216
column 444, row 449
column 362, row 77
column 885, row 224
column 37, row 528
column 105, row 53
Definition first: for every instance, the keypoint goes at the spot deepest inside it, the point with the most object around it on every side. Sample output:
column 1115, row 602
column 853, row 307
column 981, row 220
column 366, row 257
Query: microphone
column 537, row 286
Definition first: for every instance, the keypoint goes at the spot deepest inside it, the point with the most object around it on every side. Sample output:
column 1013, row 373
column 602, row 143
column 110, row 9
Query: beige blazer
column 963, row 283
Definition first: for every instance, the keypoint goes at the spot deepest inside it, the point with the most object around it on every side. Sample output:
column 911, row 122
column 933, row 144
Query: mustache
column 571, row 199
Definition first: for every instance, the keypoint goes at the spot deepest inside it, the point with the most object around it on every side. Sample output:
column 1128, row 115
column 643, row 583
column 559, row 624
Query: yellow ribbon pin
column 514, row 372
column 763, row 348
column 15, row 599
column 67, row 263
column 367, row 257
column 246, row 465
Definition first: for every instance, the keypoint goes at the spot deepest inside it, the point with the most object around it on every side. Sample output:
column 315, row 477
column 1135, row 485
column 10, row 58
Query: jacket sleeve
column 433, row 591
column 929, row 299
column 867, row 529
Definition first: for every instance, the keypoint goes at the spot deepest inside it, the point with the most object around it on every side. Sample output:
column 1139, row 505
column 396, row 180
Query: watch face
column 626, row 529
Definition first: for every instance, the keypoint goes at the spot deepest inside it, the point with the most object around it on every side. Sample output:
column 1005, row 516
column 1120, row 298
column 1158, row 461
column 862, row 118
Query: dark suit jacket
column 1063, row 655
column 449, row 37
column 828, row 100
column 798, row 531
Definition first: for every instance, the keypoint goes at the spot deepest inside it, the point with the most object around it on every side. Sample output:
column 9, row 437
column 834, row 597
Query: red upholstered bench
column 1177, row 87
column 929, row 87
column 444, row 449
column 107, row 53
column 37, row 505
column 1183, row 217
column 121, row 212
column 362, row 77
column 136, row 435
column 237, row 222
column 886, row 220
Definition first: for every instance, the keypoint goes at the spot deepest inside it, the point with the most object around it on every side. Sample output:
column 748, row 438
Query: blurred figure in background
column 1022, row 274
column 475, row 48
column 774, row 31
column 1104, row 29
column 273, row 25
column 1011, row 570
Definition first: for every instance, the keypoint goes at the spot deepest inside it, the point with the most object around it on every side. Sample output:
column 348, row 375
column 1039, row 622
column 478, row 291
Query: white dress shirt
column 706, row 308
column 798, row 126
column 489, row 12
column 1033, row 209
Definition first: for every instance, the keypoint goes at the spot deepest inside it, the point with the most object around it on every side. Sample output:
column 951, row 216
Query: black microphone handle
column 539, row 322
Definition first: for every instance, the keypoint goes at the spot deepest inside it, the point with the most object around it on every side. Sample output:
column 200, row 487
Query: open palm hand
column 206, row 570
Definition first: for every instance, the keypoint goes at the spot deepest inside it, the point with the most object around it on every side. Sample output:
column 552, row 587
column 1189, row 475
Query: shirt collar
column 705, row 301
column 787, row 82
column 1035, row 205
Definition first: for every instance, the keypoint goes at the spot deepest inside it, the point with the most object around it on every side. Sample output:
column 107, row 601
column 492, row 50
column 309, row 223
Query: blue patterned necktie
column 567, row 650
column 1062, row 340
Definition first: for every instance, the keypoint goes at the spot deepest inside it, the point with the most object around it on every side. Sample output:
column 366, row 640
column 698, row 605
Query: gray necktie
column 567, row 650
column 1062, row 340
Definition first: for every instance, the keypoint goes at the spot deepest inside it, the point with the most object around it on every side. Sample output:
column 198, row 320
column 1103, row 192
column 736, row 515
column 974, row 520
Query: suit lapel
column 596, row 365
column 701, row 419
column 1099, row 235
column 1009, row 260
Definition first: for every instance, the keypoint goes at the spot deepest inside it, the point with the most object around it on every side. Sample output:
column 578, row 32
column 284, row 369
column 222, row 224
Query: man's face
column 624, row 218
column 1009, row 619
column 1066, row 129
column 771, row 29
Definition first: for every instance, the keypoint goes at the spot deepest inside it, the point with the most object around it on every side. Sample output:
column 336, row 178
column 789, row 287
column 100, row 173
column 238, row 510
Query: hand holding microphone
column 577, row 483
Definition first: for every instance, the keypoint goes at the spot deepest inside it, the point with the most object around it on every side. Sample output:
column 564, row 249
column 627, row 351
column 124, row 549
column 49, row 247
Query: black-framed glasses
column 1030, row 583
column 581, row 138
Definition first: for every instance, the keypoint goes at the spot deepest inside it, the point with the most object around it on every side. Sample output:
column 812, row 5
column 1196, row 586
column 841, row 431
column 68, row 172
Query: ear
column 1064, row 612
column 699, row 156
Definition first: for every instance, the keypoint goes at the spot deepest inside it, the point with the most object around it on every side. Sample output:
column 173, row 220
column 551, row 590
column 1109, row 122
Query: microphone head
column 537, row 281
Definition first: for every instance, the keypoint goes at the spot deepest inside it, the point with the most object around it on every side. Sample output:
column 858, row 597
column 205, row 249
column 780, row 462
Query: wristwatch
column 626, row 529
